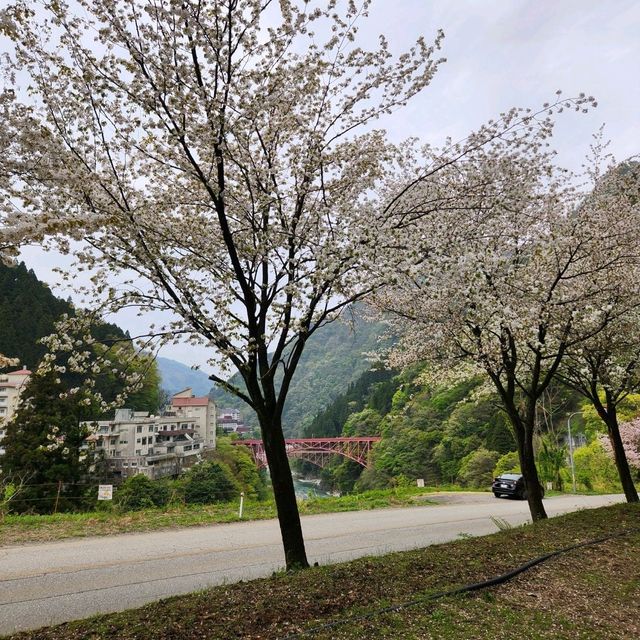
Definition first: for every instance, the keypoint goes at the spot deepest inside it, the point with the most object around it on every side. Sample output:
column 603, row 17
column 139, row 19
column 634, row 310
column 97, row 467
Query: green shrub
column 595, row 470
column 139, row 492
column 476, row 469
column 209, row 482
column 508, row 463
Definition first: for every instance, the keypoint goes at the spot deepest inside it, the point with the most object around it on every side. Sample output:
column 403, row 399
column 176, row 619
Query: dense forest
column 455, row 433
column 28, row 311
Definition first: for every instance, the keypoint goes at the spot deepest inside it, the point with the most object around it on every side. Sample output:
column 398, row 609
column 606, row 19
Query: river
column 308, row 488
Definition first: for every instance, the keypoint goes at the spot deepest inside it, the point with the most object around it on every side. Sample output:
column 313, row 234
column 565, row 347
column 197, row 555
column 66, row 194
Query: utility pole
column 573, row 468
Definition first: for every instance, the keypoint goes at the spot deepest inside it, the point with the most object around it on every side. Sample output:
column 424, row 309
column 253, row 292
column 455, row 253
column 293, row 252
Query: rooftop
column 190, row 402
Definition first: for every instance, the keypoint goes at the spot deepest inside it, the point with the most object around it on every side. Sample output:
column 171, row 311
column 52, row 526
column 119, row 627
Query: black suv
column 510, row 485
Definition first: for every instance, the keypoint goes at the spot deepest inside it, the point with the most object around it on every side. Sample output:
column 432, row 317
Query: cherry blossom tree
column 213, row 159
column 605, row 369
column 518, row 268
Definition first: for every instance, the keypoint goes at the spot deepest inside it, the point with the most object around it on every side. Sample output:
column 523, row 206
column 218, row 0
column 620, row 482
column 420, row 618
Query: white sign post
column 241, row 505
column 420, row 482
column 105, row 492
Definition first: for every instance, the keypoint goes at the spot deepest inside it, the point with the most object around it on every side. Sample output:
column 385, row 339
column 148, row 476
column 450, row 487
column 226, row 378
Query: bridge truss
column 317, row 451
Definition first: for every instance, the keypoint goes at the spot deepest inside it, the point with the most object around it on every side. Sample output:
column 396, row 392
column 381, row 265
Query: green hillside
column 428, row 431
column 28, row 311
column 335, row 356
column 177, row 376
column 456, row 433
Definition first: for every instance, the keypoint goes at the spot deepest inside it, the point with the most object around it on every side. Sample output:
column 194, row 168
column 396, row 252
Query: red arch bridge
column 317, row 450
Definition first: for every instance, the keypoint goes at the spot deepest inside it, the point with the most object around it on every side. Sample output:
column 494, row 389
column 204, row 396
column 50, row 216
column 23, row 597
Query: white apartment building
column 158, row 446
column 11, row 385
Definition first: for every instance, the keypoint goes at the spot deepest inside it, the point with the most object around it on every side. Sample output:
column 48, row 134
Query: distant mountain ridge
column 177, row 376
column 335, row 356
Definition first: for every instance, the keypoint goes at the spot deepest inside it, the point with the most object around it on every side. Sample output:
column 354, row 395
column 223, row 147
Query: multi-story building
column 11, row 386
column 158, row 446
column 202, row 410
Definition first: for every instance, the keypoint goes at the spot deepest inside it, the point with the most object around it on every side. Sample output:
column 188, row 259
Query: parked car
column 510, row 485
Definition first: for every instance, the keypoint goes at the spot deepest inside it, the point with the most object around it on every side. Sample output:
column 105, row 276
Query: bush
column 238, row 461
column 209, row 482
column 476, row 469
column 139, row 492
column 508, row 463
column 595, row 470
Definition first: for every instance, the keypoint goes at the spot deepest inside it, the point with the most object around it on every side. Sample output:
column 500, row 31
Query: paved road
column 49, row 583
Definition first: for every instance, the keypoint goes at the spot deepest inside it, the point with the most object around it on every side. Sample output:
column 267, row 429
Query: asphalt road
column 45, row 584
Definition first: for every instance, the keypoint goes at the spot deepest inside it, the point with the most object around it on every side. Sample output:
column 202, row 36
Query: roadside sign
column 420, row 482
column 105, row 492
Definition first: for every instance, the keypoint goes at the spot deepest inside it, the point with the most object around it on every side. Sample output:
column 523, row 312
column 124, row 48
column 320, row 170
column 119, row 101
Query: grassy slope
column 590, row 593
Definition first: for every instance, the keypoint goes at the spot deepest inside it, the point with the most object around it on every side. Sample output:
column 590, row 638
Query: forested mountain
column 457, row 433
column 28, row 312
column 427, row 430
column 177, row 376
column 335, row 356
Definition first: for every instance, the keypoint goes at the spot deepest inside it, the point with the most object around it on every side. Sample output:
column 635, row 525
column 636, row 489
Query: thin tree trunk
column 620, row 457
column 523, row 433
column 284, row 492
column 609, row 415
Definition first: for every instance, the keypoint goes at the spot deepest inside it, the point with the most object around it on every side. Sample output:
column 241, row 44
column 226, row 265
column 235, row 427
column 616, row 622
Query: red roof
column 190, row 402
column 21, row 372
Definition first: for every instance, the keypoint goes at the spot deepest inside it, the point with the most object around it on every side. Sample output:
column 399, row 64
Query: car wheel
column 497, row 495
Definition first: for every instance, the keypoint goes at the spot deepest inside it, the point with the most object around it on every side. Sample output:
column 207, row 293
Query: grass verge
column 46, row 528
column 589, row 593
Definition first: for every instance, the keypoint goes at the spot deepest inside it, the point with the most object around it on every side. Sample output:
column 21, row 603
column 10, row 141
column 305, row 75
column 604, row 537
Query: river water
column 308, row 488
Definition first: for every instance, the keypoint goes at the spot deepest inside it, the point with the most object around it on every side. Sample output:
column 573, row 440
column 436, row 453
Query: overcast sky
column 500, row 53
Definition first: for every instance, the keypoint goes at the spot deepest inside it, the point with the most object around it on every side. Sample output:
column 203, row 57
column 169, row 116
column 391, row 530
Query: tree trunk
column 284, row 492
column 620, row 457
column 530, row 472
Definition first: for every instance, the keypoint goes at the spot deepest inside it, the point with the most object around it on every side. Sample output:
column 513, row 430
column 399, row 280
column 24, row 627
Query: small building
column 230, row 421
column 11, row 386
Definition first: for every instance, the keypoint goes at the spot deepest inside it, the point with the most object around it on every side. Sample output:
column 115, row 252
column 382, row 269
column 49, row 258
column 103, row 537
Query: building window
column 144, row 441
column 138, row 453
column 139, row 429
